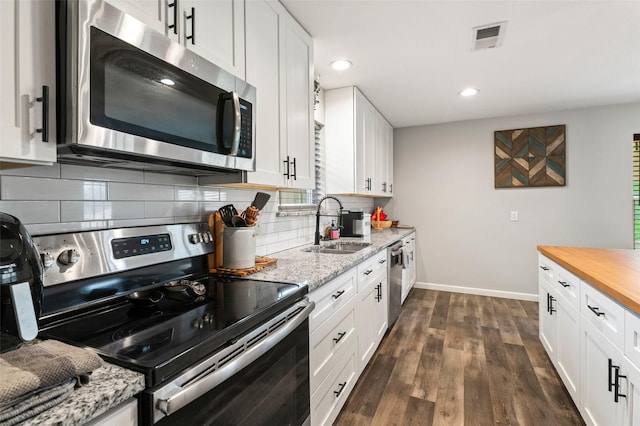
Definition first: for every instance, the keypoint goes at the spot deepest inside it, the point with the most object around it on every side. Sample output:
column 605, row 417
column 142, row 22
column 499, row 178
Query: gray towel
column 42, row 365
column 36, row 403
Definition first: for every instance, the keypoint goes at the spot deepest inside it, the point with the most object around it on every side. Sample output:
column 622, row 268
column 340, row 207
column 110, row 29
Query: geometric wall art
column 530, row 157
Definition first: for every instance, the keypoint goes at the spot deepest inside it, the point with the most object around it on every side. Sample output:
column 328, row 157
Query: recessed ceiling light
column 469, row 91
column 341, row 64
column 167, row 81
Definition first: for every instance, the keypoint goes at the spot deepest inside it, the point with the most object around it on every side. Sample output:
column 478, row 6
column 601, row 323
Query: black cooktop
column 161, row 339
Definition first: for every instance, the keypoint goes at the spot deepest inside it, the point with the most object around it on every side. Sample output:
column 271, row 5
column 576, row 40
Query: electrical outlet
column 514, row 215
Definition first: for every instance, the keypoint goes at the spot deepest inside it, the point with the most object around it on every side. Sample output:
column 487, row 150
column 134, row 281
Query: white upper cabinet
column 27, row 82
column 359, row 142
column 280, row 65
column 151, row 12
column 215, row 31
column 299, row 104
column 212, row 29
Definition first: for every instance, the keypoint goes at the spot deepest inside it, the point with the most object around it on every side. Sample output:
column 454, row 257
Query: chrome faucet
column 318, row 236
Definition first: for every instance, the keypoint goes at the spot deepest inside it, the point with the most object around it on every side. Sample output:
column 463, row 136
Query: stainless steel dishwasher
column 395, row 256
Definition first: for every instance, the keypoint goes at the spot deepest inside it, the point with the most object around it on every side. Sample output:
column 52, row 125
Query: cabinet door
column 547, row 323
column 568, row 347
column 381, row 309
column 380, row 142
column 215, row 31
column 632, row 411
column 389, row 160
column 150, row 12
column 264, row 42
column 365, row 145
column 598, row 360
column 371, row 322
column 28, row 63
column 298, row 68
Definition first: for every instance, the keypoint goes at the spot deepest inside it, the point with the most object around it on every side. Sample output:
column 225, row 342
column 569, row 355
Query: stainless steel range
column 212, row 348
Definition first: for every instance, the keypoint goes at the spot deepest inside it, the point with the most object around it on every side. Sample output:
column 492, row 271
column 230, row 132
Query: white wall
column 68, row 198
column 444, row 185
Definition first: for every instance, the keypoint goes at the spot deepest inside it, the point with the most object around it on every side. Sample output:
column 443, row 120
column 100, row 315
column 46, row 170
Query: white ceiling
column 412, row 58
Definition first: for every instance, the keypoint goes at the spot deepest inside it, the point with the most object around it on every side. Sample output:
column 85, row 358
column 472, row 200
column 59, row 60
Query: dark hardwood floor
column 460, row 359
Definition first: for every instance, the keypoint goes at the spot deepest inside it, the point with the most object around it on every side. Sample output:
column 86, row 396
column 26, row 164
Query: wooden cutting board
column 261, row 263
column 217, row 228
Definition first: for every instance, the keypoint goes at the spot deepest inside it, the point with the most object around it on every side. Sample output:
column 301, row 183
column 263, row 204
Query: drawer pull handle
column 595, row 310
column 564, row 284
column 382, row 261
column 45, row 114
column 616, row 394
column 550, row 300
column 339, row 391
column 544, row 268
column 338, row 294
column 340, row 336
column 368, row 271
column 611, row 367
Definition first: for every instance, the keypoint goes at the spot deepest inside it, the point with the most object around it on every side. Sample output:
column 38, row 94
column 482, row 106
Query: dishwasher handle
column 397, row 256
column 177, row 396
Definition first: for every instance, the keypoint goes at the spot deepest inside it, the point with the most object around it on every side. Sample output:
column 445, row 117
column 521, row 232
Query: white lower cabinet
column 372, row 307
column 559, row 322
column 124, row 414
column 346, row 327
column 595, row 347
column 600, row 362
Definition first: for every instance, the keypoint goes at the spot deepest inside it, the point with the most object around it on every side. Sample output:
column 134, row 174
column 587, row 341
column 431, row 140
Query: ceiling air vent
column 488, row 36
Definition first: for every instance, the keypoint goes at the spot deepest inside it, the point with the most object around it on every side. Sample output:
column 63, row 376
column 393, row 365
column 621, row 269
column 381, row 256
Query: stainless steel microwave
column 130, row 97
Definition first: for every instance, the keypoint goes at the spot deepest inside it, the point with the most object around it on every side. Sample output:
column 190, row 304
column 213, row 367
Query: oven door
column 262, row 378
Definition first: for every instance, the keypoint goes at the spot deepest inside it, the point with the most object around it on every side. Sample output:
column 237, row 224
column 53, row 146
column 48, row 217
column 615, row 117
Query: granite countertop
column 315, row 269
column 616, row 272
column 110, row 385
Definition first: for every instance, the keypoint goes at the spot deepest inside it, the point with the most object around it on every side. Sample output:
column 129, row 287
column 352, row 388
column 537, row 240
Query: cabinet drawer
column 568, row 286
column 331, row 297
column 605, row 314
column 329, row 341
column 632, row 337
column 329, row 398
column 546, row 269
column 368, row 270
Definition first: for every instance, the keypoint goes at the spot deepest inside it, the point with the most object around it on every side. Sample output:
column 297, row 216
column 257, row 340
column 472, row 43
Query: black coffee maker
column 21, row 274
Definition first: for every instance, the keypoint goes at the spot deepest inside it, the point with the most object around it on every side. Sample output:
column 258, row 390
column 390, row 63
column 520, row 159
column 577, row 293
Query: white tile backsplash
column 34, row 171
column 29, row 188
column 170, row 209
column 68, row 171
column 165, row 179
column 66, row 198
column 133, row 191
column 73, row 211
column 32, row 211
column 186, row 193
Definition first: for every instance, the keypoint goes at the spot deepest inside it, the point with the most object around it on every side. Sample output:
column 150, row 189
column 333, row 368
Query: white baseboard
column 478, row 291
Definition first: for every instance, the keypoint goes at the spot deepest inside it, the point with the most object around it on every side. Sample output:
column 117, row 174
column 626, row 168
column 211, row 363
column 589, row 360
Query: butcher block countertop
column 616, row 272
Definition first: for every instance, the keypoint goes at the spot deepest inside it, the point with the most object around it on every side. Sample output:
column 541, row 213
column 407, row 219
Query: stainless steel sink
column 337, row 248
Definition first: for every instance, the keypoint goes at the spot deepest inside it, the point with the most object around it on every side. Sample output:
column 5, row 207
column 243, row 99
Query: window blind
column 636, row 190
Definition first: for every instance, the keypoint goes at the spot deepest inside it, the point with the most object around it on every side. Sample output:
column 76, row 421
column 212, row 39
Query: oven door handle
column 180, row 396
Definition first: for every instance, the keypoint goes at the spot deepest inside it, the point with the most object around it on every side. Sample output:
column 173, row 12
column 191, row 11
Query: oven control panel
column 136, row 246
column 81, row 255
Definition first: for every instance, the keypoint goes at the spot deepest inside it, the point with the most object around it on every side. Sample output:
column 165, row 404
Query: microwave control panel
column 246, row 132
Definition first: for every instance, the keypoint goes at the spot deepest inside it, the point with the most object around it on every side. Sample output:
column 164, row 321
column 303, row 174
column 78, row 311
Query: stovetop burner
column 163, row 338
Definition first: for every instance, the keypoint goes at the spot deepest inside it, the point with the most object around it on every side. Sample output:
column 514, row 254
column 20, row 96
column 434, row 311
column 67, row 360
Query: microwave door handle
column 231, row 146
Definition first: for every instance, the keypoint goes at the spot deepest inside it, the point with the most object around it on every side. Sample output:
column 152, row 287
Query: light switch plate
column 514, row 215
